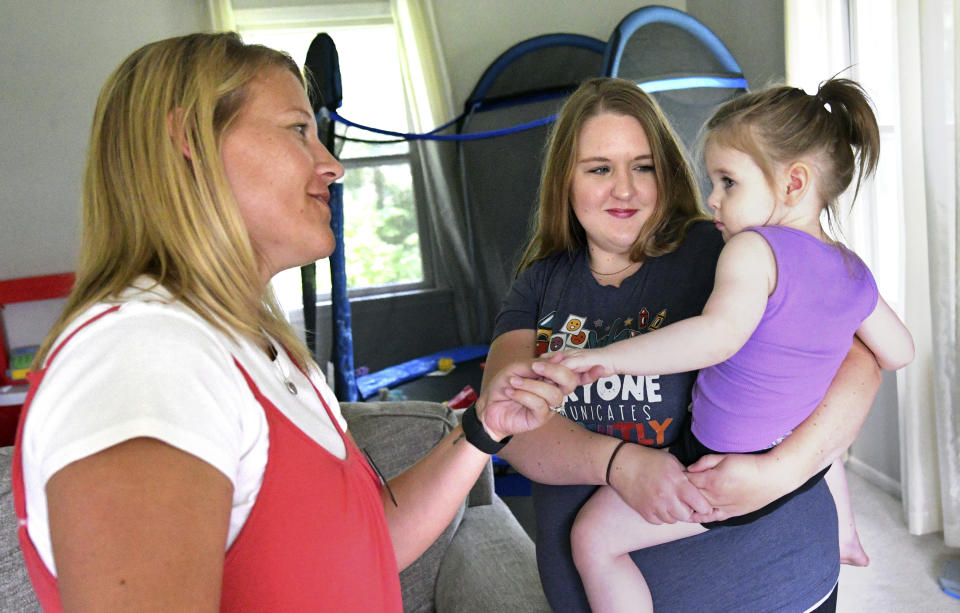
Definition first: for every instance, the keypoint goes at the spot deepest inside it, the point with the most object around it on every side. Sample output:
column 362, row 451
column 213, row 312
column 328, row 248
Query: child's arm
column 885, row 335
column 746, row 274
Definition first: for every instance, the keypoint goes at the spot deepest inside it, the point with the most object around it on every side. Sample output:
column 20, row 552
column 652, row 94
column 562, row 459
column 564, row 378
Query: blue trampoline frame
column 350, row 387
column 660, row 14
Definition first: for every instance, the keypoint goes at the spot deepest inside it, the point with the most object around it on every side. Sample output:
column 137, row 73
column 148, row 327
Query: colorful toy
column 20, row 360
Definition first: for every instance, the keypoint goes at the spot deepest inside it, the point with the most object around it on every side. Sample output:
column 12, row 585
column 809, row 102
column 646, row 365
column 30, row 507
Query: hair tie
column 821, row 102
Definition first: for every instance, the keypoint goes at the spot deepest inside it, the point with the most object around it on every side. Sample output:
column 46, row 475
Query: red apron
column 316, row 538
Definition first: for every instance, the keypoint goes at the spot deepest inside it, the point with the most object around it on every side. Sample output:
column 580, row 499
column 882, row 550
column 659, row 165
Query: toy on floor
column 388, row 395
column 463, row 399
column 950, row 578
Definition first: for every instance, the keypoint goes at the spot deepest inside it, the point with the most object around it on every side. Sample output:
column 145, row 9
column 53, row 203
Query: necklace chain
column 607, row 274
column 281, row 368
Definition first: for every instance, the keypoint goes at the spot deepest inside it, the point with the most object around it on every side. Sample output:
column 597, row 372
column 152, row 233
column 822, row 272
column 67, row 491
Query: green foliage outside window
column 380, row 226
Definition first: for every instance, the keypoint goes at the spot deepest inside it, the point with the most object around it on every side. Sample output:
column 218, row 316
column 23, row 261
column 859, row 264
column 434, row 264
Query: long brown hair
column 836, row 127
column 678, row 200
column 148, row 209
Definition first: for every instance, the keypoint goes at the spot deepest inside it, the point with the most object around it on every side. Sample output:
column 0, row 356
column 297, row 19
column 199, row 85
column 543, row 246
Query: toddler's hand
column 589, row 364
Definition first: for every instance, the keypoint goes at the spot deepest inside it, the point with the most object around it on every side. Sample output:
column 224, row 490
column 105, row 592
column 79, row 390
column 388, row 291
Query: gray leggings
column 785, row 561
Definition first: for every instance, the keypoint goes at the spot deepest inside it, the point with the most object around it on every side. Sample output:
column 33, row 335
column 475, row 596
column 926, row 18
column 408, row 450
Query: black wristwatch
column 477, row 436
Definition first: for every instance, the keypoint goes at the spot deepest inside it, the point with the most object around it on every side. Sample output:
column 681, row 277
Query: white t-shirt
column 156, row 369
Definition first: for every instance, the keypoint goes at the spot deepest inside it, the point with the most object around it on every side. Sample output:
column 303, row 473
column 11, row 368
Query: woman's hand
column 653, row 482
column 519, row 397
column 736, row 483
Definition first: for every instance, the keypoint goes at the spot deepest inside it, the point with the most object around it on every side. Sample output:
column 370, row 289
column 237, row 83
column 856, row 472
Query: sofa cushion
column 490, row 566
column 16, row 594
column 396, row 435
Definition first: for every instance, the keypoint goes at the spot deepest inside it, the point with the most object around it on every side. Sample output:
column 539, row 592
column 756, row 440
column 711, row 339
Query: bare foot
column 852, row 553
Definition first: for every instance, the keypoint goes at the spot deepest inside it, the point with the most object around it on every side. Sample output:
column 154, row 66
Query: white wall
column 54, row 56
column 753, row 31
column 875, row 454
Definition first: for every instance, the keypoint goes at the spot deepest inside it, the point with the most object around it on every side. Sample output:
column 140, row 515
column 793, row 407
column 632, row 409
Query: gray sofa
column 483, row 562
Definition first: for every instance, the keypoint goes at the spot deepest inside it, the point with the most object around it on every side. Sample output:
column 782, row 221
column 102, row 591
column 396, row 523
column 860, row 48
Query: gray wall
column 473, row 34
column 55, row 56
column 753, row 31
column 875, row 454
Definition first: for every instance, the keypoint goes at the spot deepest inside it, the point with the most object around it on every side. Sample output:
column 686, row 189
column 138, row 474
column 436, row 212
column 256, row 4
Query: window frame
column 840, row 50
column 322, row 17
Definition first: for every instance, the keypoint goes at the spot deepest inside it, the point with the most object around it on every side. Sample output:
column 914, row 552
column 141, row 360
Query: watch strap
column 477, row 436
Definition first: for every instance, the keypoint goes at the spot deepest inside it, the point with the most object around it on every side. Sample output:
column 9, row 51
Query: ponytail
column 856, row 127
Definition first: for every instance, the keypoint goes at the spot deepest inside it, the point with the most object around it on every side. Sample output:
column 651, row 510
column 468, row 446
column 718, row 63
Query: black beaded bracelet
column 477, row 436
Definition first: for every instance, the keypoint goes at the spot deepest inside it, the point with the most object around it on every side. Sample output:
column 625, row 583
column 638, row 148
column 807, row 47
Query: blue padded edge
column 522, row 48
column 368, row 385
column 662, row 85
column 661, row 14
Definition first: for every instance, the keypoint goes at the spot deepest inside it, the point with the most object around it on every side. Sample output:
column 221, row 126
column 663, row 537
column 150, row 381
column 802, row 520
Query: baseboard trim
column 874, row 477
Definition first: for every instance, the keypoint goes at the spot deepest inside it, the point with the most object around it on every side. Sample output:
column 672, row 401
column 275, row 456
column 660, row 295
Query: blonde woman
column 179, row 450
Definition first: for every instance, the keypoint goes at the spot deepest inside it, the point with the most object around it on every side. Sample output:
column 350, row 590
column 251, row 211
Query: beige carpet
column 903, row 571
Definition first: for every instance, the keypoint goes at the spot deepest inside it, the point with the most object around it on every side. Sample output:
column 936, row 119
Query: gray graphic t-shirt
column 569, row 309
column 785, row 561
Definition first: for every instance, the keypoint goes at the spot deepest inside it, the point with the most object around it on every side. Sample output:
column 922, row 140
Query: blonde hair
column 777, row 126
column 678, row 199
column 148, row 209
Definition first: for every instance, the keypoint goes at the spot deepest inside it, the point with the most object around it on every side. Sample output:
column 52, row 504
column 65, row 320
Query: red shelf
column 28, row 289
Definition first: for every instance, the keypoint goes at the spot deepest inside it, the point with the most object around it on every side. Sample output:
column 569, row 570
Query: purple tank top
column 755, row 399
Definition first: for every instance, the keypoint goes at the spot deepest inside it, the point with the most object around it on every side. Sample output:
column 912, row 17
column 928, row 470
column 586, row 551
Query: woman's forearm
column 429, row 493
column 650, row 480
column 835, row 423
column 560, row 452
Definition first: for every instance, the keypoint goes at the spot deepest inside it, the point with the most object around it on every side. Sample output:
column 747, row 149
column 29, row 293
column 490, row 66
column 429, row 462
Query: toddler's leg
column 851, row 551
column 605, row 532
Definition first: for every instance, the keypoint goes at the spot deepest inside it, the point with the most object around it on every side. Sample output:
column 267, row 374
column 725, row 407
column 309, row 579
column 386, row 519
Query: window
column 381, row 222
column 858, row 40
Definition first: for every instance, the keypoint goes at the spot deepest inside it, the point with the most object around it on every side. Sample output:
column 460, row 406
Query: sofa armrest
column 396, row 435
column 375, row 427
column 490, row 566
column 483, row 490
column 16, row 593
